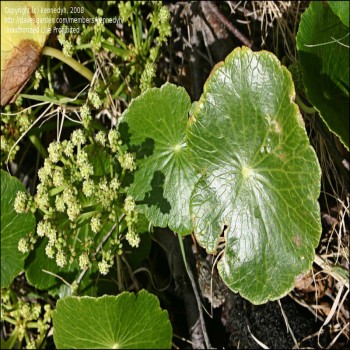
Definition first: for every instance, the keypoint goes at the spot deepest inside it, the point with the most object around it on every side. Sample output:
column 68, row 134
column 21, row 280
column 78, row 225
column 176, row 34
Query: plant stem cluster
column 25, row 317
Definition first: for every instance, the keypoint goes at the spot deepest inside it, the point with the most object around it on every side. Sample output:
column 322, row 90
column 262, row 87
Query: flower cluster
column 160, row 19
column 80, row 191
column 147, row 76
column 21, row 204
column 65, row 41
column 131, row 216
column 14, row 122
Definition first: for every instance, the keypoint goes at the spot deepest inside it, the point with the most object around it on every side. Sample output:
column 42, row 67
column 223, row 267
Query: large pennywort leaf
column 154, row 127
column 260, row 177
column 127, row 321
column 13, row 227
column 323, row 47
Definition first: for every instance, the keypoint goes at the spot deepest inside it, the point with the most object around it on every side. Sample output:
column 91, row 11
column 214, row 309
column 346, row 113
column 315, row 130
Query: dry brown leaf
column 23, row 61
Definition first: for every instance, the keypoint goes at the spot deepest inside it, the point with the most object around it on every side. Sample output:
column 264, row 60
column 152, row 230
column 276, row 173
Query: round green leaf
column 260, row 177
column 13, row 227
column 127, row 321
column 154, row 127
column 324, row 58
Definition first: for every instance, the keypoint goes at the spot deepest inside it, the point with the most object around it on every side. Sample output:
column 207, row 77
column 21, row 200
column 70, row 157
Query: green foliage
column 235, row 168
column 17, row 229
column 31, row 321
column 79, row 193
column 127, row 321
column 342, row 10
column 324, row 59
column 164, row 178
column 260, row 177
column 13, row 125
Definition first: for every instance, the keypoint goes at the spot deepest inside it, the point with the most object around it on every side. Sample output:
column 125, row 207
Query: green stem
column 304, row 107
column 119, row 274
column 85, row 72
column 9, row 320
column 56, row 190
column 9, row 344
column 120, row 89
column 32, row 325
column 38, row 145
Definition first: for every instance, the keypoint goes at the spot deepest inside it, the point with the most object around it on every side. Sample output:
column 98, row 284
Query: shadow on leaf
column 156, row 195
column 143, row 150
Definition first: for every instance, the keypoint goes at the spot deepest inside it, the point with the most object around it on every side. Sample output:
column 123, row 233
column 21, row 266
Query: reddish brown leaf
column 24, row 59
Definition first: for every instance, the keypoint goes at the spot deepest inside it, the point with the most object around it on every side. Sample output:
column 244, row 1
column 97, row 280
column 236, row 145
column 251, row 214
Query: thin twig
column 196, row 293
column 229, row 25
column 289, row 329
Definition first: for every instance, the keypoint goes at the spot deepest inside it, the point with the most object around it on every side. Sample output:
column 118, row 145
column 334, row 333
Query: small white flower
column 88, row 188
column 127, row 161
column 58, row 177
column 82, row 158
column 95, row 224
column 61, row 259
column 84, row 111
column 73, row 210
column 101, row 138
column 68, row 48
column 103, row 267
column 55, row 151
column 23, row 245
column 68, row 148
column 42, row 196
column 86, row 171
column 50, row 251
column 36, row 310
column 59, row 203
column 129, row 204
column 20, row 204
column 94, row 99
column 51, row 234
column 84, row 261
column 113, row 139
column 78, row 137
column 133, row 238
column 25, row 311
column 115, row 184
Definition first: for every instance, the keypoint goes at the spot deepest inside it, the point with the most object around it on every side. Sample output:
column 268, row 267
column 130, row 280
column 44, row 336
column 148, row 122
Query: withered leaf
column 24, row 59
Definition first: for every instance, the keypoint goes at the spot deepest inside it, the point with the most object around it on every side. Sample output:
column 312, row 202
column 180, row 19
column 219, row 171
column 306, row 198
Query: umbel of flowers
column 85, row 212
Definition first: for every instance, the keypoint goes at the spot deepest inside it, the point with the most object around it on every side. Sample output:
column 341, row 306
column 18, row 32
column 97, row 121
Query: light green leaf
column 13, row 227
column 341, row 9
column 127, row 321
column 154, row 127
column 260, row 177
column 323, row 47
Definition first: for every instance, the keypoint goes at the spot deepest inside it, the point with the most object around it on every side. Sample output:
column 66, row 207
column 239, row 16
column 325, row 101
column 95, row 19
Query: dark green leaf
column 323, row 46
column 13, row 227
